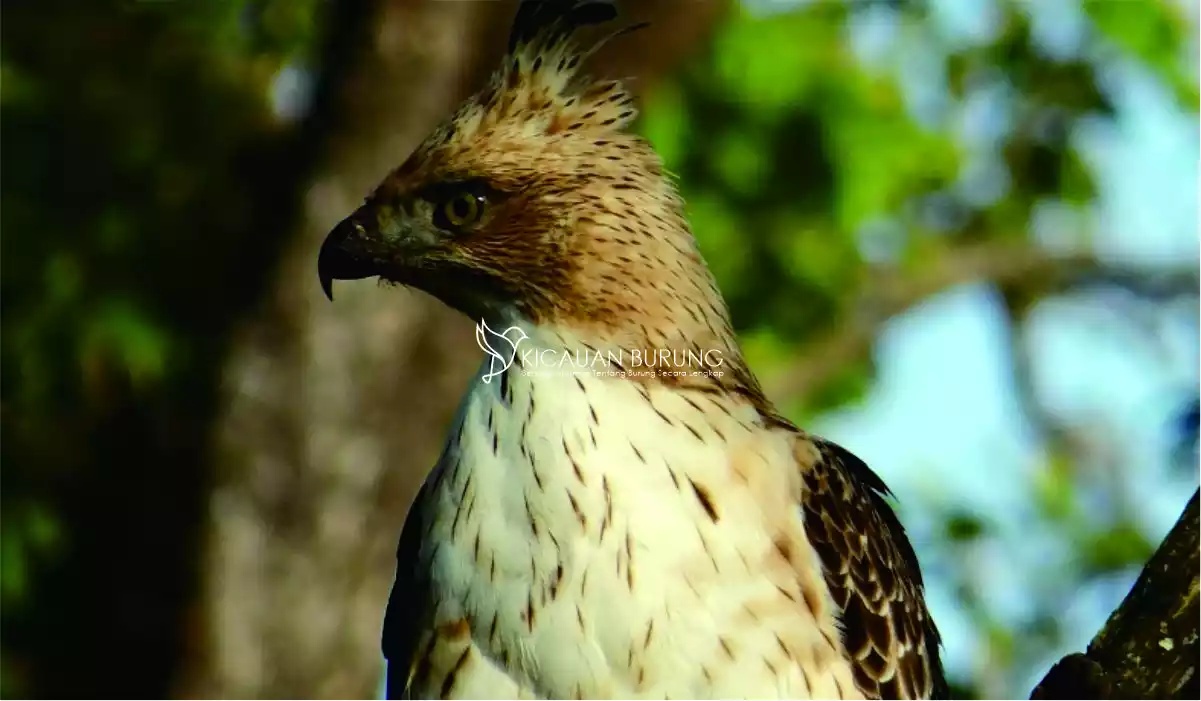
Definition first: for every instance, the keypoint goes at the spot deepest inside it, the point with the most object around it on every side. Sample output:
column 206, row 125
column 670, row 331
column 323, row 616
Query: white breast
column 570, row 524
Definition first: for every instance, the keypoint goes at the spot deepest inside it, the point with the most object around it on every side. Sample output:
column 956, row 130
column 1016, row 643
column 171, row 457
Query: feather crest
column 538, row 82
column 547, row 22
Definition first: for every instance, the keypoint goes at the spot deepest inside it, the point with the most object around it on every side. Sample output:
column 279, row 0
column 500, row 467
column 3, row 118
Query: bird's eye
column 460, row 210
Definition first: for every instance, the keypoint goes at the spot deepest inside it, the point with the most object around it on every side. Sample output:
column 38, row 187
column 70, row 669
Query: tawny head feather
column 533, row 202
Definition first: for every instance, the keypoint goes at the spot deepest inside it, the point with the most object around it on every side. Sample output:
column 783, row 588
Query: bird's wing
column 409, row 613
column 872, row 574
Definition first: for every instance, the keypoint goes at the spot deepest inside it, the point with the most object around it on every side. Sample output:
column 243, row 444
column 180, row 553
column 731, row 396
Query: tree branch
column 887, row 292
column 1148, row 647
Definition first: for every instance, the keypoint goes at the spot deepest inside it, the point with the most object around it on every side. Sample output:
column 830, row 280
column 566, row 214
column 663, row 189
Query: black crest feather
column 552, row 20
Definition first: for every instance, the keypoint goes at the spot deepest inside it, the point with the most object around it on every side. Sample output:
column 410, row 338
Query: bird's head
column 532, row 202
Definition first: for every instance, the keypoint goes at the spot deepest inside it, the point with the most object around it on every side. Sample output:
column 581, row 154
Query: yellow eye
column 462, row 209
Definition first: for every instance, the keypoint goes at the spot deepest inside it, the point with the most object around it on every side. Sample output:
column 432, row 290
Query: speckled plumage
column 596, row 536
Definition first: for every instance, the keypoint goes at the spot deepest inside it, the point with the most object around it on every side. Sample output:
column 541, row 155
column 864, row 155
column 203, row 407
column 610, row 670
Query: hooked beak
column 339, row 258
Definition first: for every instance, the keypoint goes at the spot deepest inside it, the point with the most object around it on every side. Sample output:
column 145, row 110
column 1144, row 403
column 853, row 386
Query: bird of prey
column 614, row 535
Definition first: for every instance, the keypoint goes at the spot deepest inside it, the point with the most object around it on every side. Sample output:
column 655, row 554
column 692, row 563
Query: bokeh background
column 958, row 236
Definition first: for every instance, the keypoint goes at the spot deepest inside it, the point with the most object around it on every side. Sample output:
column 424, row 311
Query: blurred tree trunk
column 331, row 411
column 334, row 412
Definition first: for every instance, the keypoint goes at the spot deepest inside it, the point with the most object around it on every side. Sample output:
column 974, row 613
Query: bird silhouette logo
column 502, row 360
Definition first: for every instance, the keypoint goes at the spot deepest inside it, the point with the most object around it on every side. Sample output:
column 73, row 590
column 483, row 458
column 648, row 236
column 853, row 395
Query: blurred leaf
column 771, row 63
column 1055, row 491
column 740, row 159
column 821, row 257
column 884, row 160
column 31, row 533
column 64, row 278
column 1075, row 181
column 13, row 573
column 663, row 123
column 1155, row 32
column 121, row 330
column 1115, row 549
column 849, row 384
column 718, row 234
column 963, row 526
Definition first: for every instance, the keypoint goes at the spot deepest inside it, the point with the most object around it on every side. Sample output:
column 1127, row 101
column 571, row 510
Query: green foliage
column 1154, row 33
column 138, row 149
column 963, row 526
column 32, row 534
column 1115, row 549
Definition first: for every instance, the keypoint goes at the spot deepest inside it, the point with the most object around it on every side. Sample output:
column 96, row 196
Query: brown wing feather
column 874, row 579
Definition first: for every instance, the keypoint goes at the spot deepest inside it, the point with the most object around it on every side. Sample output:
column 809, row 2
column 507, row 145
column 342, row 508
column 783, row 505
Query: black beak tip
column 327, row 285
column 334, row 262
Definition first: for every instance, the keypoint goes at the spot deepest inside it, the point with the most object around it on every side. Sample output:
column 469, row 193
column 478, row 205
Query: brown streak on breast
column 783, row 547
column 448, row 684
column 424, row 661
column 783, row 648
column 554, row 582
column 674, row 480
column 813, row 601
column 608, row 506
column 529, row 513
column 575, row 507
column 575, row 466
column 629, row 561
column 463, row 508
column 705, row 547
column 706, row 501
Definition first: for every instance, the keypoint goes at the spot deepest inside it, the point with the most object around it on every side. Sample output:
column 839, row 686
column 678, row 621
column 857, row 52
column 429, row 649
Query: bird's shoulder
column 871, row 571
